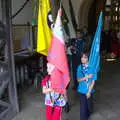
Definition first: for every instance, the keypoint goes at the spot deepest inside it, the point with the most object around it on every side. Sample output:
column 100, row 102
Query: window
column 112, row 8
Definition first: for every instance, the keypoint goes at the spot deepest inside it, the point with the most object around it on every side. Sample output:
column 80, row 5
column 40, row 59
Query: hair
column 86, row 53
column 79, row 33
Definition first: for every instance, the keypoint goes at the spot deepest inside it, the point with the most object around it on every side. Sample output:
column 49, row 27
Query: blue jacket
column 83, row 86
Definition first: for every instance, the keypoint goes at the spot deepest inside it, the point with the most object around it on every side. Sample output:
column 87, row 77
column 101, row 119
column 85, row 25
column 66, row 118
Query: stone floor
column 106, row 101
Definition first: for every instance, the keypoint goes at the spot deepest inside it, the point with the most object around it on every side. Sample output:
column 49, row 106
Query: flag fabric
column 72, row 15
column 94, row 59
column 57, row 56
column 44, row 32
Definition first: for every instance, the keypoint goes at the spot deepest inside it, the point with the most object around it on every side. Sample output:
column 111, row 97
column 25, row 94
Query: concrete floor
column 106, row 101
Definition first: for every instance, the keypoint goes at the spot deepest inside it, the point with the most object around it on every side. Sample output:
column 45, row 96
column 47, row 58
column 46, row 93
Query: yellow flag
column 44, row 32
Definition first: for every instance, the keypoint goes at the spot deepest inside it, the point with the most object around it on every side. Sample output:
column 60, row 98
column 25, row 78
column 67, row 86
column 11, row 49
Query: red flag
column 57, row 56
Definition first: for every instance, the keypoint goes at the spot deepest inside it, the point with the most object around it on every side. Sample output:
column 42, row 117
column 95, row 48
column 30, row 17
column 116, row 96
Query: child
column 86, row 81
column 54, row 101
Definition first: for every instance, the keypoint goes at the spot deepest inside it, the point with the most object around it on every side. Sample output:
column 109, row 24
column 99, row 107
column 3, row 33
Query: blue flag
column 94, row 59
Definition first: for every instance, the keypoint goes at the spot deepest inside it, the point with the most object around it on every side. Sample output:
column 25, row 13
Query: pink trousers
column 53, row 113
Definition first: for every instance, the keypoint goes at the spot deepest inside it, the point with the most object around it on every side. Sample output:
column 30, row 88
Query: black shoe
column 67, row 108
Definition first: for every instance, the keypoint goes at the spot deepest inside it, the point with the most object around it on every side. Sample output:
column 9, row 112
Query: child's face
column 50, row 68
column 84, row 59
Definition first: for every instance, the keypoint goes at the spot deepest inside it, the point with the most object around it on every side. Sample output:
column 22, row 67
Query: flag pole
column 61, row 4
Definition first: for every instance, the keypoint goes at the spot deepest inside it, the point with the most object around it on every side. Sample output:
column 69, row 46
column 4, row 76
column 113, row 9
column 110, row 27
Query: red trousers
column 53, row 113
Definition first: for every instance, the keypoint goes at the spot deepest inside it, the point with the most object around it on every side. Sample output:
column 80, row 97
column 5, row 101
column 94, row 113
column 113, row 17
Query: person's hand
column 50, row 89
column 90, row 76
column 46, row 90
column 88, row 95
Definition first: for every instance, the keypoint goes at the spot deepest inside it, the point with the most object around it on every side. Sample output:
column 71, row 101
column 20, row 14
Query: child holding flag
column 54, row 101
column 54, row 85
column 86, row 79
column 87, row 73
